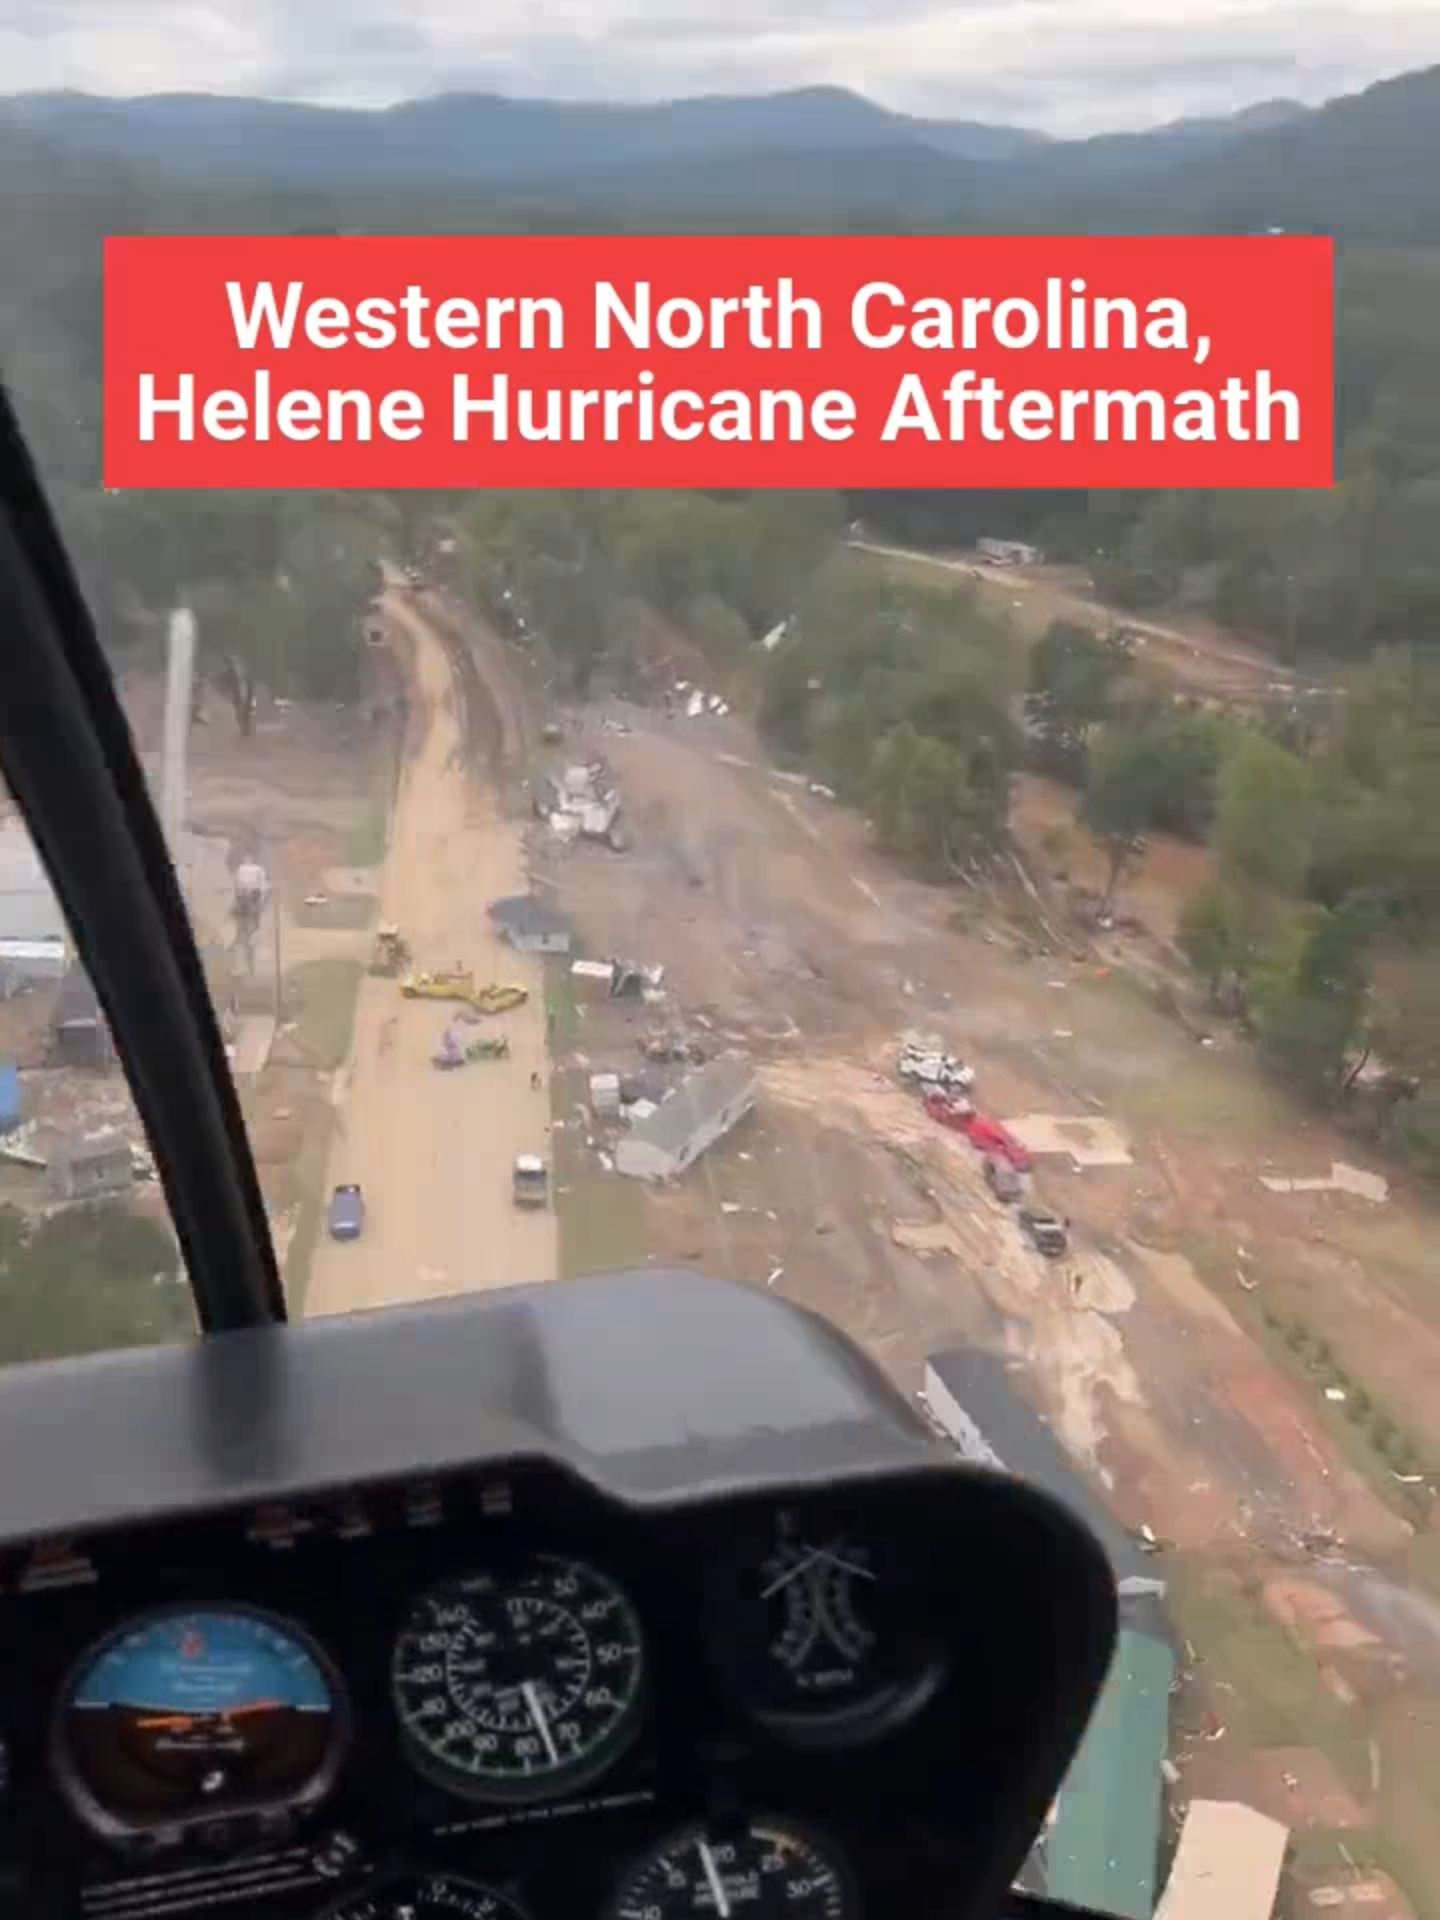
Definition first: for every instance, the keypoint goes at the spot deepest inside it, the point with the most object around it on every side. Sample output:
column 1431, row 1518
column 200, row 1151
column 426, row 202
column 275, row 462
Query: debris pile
column 674, row 1048
column 617, row 980
column 583, row 804
column 695, row 701
column 923, row 1063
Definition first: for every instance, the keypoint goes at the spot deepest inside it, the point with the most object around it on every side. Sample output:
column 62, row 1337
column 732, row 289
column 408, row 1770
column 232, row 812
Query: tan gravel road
column 433, row 1151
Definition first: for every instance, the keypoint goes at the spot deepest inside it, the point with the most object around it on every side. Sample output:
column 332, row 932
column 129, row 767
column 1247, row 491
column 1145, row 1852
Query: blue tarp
column 10, row 1113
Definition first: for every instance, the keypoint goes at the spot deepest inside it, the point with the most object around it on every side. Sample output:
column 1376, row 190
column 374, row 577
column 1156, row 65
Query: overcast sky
column 1068, row 66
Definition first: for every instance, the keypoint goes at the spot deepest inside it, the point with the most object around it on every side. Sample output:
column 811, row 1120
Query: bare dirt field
column 433, row 1151
column 1154, row 1351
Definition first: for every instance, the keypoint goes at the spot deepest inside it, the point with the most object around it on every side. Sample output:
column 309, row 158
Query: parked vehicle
column 952, row 1110
column 990, row 1137
column 501, row 996
column 1046, row 1232
column 927, row 1067
column 1002, row 1179
column 347, row 1213
column 457, row 983
column 392, row 952
column 531, row 1181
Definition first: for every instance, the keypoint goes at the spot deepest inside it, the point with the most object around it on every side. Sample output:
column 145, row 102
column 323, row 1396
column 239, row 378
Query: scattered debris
column 1341, row 1179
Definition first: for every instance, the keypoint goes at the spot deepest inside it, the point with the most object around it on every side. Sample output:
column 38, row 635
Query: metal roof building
column 977, row 1400
column 1101, row 1848
column 34, row 939
column 531, row 925
column 29, row 910
column 1101, row 1845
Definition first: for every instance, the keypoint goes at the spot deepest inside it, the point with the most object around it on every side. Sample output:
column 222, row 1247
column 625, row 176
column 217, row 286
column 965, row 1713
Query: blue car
column 347, row 1213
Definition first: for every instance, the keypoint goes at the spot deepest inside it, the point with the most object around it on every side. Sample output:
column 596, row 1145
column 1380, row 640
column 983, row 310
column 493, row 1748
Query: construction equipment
column 456, row 984
column 499, row 997
column 449, row 1054
column 392, row 952
column 497, row 1048
column 454, row 1052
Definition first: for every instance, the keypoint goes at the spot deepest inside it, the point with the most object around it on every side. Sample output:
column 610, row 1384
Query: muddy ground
column 1302, row 1568
column 1155, row 1351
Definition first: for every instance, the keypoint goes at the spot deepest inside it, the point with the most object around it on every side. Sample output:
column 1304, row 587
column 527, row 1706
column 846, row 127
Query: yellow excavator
column 458, row 983
column 453, row 983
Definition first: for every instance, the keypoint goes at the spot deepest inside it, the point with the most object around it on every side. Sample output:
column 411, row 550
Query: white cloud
column 1072, row 66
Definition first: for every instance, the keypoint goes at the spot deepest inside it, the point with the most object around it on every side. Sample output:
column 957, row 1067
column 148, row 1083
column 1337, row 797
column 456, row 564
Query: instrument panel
column 526, row 1688
column 490, row 1700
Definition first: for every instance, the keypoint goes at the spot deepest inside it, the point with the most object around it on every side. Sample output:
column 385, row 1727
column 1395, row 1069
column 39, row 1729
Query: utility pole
column 174, row 752
column 275, row 926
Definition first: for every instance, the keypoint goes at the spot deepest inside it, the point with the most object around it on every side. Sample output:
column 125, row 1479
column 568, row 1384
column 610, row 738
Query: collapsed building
column 582, row 804
column 689, row 1121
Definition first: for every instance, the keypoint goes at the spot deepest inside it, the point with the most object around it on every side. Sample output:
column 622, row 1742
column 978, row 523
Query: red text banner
column 748, row 362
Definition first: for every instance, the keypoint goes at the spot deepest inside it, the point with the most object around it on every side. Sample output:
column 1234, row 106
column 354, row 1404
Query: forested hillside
column 1321, row 925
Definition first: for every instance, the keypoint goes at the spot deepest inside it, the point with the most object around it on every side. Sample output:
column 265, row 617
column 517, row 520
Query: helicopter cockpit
column 639, row 1597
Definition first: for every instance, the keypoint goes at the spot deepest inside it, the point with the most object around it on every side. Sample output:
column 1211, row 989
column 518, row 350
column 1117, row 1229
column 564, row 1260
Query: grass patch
column 340, row 913
column 321, row 997
column 1410, row 1801
column 1423, row 1561
column 601, row 1215
column 1374, row 1443
column 1278, row 1698
column 309, row 1178
column 562, row 1009
column 365, row 842
column 1272, row 1696
column 1206, row 1099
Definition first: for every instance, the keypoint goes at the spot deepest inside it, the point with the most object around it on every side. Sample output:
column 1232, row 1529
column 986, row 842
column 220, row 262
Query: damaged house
column 701, row 1110
column 533, row 926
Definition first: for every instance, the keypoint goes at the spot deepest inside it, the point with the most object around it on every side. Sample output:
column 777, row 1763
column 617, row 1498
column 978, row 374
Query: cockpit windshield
column 1006, row 923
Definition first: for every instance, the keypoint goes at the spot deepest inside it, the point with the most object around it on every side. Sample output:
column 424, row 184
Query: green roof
column 1103, row 1849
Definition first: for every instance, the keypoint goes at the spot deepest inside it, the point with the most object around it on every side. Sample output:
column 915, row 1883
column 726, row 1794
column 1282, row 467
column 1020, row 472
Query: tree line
column 1319, row 924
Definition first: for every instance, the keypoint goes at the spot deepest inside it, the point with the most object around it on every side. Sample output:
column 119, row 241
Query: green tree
column 1310, row 1005
column 1213, row 935
column 1127, row 773
column 925, row 803
column 85, row 1280
column 1263, row 821
column 1074, row 675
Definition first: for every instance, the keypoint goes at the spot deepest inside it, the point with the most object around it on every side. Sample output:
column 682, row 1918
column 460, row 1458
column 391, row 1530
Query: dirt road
column 1192, row 652
column 432, row 1150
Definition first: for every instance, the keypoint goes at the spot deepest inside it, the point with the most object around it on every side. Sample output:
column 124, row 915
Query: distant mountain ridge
column 497, row 141
column 1364, row 167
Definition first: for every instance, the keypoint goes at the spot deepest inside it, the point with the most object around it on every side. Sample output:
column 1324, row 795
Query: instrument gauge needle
column 530, row 1694
column 809, row 1558
column 713, row 1881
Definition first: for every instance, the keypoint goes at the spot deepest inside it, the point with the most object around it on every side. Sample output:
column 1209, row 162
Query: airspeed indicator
column 519, row 1683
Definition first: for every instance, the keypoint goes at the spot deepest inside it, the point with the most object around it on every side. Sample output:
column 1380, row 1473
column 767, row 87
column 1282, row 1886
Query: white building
column 1227, row 1865
column 701, row 1110
column 34, row 940
column 1009, row 553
